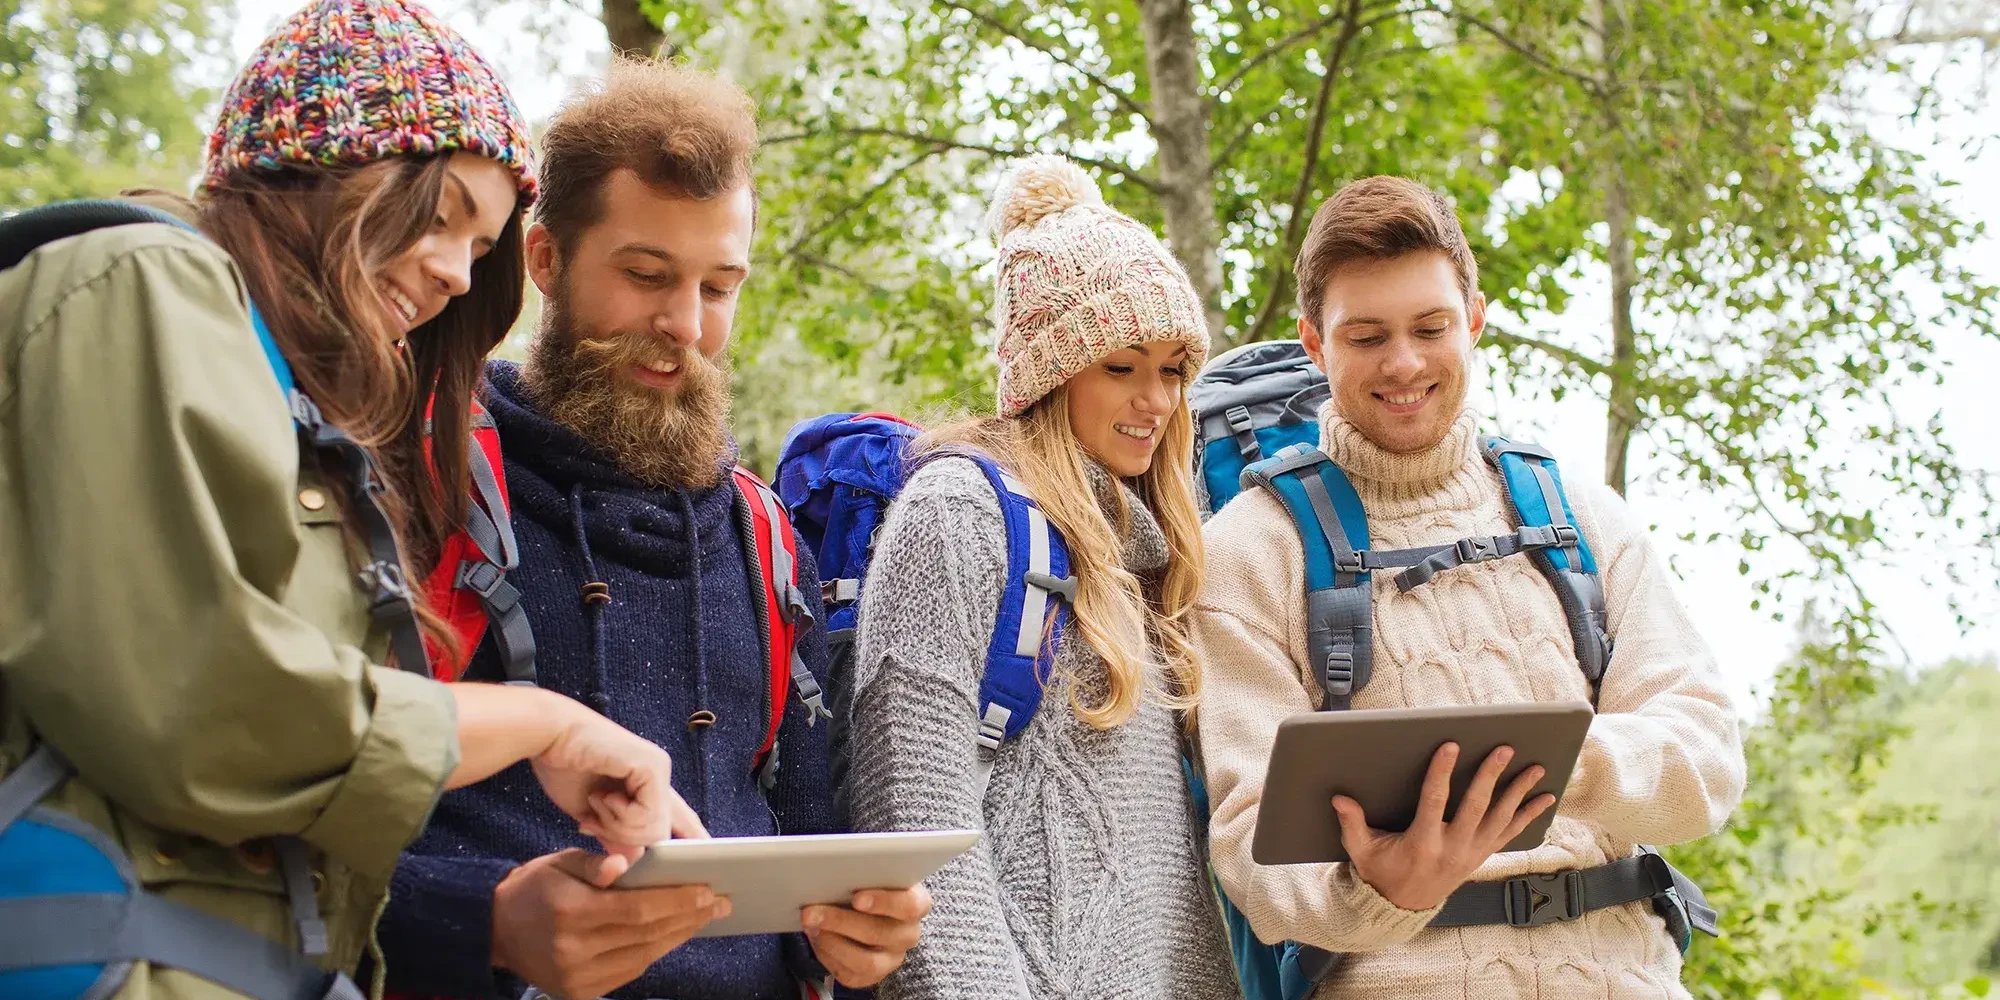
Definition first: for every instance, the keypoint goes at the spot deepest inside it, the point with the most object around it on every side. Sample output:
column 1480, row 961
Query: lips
column 1136, row 433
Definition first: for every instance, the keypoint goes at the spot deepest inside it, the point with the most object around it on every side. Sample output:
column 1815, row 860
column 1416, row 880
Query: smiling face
column 1395, row 339
column 478, row 199
column 1119, row 406
column 636, row 318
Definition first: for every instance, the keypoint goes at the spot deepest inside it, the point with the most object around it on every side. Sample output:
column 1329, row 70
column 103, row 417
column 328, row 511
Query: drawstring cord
column 596, row 594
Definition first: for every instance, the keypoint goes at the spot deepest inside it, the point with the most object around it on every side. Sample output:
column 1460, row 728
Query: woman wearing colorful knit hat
column 212, row 442
column 1089, row 880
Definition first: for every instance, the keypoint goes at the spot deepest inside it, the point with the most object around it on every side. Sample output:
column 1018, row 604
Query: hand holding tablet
column 1417, row 868
column 1418, row 799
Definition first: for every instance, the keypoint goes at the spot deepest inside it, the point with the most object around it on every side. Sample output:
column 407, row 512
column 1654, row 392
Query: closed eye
column 1119, row 369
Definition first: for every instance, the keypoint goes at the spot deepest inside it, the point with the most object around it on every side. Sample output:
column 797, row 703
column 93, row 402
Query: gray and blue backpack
column 1257, row 410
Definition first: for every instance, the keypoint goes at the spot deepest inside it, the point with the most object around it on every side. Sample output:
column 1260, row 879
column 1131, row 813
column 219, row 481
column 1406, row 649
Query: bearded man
column 637, row 575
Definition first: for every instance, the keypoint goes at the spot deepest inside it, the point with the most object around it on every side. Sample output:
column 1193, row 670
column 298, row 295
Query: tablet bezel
column 1379, row 757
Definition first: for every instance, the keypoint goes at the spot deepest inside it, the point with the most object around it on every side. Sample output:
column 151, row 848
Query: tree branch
column 1526, row 51
column 1279, row 47
column 1123, row 97
column 1003, row 152
column 858, row 278
column 1336, row 54
column 1507, row 341
column 1942, row 36
column 846, row 210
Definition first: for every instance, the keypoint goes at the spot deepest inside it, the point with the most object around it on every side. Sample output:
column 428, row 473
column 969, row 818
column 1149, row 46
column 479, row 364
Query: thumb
column 1354, row 832
column 599, row 870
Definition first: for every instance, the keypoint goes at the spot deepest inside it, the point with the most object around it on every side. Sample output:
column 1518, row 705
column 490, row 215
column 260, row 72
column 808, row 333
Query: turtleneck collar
column 1415, row 472
column 1145, row 543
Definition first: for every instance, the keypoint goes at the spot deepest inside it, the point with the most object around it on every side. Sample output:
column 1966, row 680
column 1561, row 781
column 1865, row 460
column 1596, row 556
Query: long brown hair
column 310, row 244
column 1115, row 611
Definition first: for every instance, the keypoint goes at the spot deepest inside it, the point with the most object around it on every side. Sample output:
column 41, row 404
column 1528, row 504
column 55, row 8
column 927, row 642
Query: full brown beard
column 664, row 438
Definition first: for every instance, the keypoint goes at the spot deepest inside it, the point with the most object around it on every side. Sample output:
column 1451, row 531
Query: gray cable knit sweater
column 1089, row 882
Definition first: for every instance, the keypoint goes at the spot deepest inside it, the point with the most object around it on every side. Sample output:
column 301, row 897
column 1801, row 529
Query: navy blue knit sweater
column 678, row 636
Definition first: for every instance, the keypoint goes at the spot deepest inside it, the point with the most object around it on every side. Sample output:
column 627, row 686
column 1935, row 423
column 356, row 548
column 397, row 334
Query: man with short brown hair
column 642, row 577
column 1390, row 311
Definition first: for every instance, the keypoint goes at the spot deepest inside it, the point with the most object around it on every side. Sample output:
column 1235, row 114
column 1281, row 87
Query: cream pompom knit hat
column 1077, row 281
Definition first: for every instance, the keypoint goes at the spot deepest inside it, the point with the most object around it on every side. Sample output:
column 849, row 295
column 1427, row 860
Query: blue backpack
column 1257, row 411
column 837, row 475
column 73, row 915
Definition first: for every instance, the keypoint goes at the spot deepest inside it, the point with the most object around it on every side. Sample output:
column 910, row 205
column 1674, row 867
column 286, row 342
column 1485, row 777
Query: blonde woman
column 1089, row 881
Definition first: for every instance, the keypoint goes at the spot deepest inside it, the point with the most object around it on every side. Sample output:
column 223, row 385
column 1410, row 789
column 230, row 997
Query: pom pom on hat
column 1041, row 186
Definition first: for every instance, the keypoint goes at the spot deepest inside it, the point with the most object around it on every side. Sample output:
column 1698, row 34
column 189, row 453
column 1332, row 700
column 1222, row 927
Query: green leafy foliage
column 1863, row 861
column 95, row 95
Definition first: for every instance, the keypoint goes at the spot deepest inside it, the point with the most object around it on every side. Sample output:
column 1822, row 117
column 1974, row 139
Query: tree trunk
column 631, row 30
column 1622, row 416
column 1180, row 127
column 1622, row 411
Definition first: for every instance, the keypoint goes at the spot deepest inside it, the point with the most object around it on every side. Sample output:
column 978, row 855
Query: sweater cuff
column 1377, row 923
column 437, row 932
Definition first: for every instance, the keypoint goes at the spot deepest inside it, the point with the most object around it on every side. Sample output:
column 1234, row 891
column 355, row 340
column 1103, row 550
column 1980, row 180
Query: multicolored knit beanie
column 1078, row 281
column 349, row 82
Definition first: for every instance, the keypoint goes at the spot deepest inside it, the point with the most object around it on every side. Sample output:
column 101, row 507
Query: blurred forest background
column 1728, row 243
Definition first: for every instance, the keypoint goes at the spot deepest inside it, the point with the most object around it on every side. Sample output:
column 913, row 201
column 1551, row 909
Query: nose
column 679, row 315
column 449, row 269
column 1157, row 397
column 1403, row 360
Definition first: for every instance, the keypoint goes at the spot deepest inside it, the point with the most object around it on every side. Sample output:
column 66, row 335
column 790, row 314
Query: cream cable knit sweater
column 1663, row 762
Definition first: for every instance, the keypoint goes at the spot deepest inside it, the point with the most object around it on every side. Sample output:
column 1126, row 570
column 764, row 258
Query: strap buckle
column 1534, row 900
column 1352, row 562
column 1475, row 550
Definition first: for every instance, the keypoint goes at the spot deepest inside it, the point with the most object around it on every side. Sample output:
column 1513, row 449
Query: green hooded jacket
column 178, row 612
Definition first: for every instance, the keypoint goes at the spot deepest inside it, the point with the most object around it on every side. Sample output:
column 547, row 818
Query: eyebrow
column 465, row 197
column 1372, row 321
column 1179, row 352
column 664, row 257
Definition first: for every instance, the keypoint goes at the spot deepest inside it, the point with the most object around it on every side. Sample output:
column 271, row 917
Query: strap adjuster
column 480, row 577
column 1063, row 587
column 1352, row 562
column 1534, row 900
column 1340, row 672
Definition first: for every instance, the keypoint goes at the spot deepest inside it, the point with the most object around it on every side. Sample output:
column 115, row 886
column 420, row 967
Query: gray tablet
column 1378, row 757
column 770, row 879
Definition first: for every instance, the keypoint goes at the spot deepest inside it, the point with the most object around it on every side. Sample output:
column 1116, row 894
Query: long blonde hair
column 1113, row 610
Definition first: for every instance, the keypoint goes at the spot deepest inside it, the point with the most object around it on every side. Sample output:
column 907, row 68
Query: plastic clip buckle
column 1534, row 900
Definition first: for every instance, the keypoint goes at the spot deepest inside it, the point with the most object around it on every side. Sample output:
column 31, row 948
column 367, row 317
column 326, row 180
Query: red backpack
column 469, row 587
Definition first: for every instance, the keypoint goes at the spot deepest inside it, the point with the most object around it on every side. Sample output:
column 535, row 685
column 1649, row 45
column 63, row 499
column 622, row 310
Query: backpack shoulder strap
column 1532, row 486
column 1333, row 529
column 488, row 523
column 782, row 611
column 1020, row 652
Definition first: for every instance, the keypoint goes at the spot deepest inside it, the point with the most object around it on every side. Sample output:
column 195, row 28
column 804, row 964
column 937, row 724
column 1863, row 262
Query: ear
column 540, row 248
column 1314, row 344
column 1475, row 317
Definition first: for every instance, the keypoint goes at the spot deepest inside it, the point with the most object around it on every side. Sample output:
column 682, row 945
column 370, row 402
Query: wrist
column 503, row 893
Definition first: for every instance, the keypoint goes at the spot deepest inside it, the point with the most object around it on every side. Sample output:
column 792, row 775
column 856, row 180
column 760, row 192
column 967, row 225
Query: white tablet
column 770, row 879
